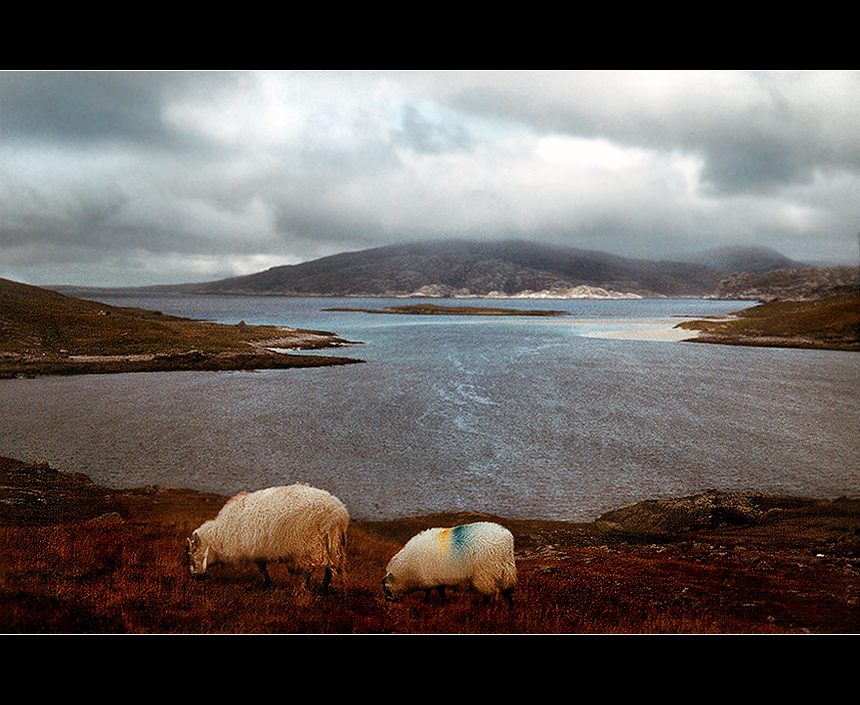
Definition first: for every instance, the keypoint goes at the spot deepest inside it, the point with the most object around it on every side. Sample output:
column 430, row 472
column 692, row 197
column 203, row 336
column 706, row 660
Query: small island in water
column 437, row 310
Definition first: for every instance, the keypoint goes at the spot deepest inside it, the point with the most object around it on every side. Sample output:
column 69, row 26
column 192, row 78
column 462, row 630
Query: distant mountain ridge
column 513, row 268
column 481, row 269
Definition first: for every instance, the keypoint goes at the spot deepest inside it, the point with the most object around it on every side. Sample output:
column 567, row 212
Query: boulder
column 674, row 515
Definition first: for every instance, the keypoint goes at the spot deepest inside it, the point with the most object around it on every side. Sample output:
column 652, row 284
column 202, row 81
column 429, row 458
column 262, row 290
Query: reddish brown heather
column 79, row 558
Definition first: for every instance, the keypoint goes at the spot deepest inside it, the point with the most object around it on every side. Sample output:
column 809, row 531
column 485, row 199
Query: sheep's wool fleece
column 481, row 553
column 298, row 521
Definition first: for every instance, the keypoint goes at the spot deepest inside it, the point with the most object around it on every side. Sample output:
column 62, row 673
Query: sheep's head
column 391, row 588
column 197, row 556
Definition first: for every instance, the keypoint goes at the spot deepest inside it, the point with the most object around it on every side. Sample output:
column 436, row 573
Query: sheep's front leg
column 440, row 590
column 267, row 581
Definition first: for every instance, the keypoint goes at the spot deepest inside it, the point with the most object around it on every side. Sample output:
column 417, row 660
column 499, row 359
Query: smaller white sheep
column 301, row 526
column 478, row 555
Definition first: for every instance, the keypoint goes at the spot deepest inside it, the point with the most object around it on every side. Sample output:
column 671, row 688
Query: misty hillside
column 474, row 269
column 751, row 260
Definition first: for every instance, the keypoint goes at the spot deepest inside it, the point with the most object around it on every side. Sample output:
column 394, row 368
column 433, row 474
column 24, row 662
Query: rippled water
column 521, row 417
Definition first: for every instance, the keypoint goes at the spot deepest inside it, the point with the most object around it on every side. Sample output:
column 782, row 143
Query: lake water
column 521, row 417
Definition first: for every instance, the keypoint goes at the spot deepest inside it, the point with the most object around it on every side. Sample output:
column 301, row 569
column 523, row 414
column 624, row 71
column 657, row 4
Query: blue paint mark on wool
column 460, row 537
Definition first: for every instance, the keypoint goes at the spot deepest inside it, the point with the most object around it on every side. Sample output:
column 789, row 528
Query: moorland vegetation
column 79, row 558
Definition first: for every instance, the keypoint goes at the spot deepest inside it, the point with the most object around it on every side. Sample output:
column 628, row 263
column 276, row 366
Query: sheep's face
column 391, row 588
column 197, row 556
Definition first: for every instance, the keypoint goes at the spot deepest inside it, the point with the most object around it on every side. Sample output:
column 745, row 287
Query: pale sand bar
column 662, row 331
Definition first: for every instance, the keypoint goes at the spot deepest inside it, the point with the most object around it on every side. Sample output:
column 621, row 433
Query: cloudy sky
column 135, row 178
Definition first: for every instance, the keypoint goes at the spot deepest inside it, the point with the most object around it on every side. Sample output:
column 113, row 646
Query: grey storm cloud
column 95, row 108
column 131, row 178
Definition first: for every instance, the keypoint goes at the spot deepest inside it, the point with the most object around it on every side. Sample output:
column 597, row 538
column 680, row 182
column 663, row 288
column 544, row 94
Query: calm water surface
column 521, row 417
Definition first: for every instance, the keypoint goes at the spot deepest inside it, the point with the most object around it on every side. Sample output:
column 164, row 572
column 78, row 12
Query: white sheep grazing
column 479, row 555
column 299, row 525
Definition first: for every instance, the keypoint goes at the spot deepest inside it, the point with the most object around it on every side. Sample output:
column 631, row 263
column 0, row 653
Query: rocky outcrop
column 797, row 284
column 666, row 517
column 582, row 291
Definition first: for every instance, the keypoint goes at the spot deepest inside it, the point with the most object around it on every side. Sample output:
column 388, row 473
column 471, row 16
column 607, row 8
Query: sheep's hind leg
column 504, row 595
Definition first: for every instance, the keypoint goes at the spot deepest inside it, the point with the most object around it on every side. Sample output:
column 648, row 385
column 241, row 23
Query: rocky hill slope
column 791, row 284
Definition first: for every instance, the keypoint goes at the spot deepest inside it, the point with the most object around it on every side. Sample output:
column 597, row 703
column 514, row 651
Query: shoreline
column 794, row 343
column 88, row 337
column 830, row 323
column 191, row 361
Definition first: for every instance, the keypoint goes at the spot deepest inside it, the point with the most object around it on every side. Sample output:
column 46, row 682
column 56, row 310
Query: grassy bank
column 43, row 332
column 832, row 323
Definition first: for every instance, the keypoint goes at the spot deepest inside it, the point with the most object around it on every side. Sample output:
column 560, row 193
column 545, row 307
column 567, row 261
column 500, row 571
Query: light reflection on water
column 520, row 417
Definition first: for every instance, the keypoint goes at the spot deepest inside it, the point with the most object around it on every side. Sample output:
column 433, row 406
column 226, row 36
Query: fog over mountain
column 753, row 260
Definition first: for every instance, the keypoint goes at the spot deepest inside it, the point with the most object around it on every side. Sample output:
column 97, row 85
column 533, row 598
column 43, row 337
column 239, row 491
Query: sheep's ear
column 205, row 559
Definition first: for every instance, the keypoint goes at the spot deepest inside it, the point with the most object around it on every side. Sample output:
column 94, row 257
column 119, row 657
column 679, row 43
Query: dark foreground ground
column 79, row 558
